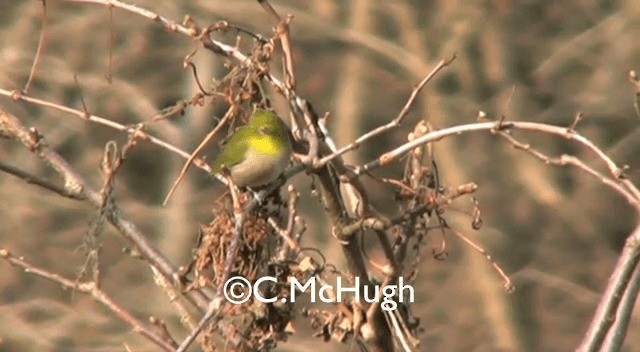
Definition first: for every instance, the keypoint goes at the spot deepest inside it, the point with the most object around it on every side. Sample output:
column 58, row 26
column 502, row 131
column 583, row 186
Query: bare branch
column 282, row 31
column 207, row 139
column 29, row 178
column 75, row 185
column 630, row 192
column 608, row 309
column 172, row 26
column 393, row 123
column 620, row 327
column 92, row 289
column 18, row 96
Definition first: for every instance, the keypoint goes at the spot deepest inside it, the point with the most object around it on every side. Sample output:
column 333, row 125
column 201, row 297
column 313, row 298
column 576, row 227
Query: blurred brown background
column 556, row 231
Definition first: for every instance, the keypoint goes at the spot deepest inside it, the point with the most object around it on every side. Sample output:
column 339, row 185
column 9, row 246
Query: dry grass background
column 556, row 231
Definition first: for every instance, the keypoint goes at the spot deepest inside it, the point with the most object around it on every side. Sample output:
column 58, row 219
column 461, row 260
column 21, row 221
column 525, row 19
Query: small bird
column 257, row 153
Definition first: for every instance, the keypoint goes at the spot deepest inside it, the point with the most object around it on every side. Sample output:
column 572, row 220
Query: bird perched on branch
column 258, row 152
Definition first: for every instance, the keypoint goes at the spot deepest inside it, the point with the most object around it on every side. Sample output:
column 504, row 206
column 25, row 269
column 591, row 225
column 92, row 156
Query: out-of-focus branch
column 91, row 288
column 41, row 42
column 36, row 180
column 635, row 79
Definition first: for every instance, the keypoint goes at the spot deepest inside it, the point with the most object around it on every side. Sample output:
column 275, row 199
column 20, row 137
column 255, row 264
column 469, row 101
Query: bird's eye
column 265, row 130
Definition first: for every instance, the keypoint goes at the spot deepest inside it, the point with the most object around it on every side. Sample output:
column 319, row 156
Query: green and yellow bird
column 257, row 153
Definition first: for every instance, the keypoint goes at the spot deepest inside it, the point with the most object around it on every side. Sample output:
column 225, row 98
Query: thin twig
column 36, row 59
column 282, row 31
column 564, row 160
column 18, row 96
column 112, row 39
column 396, row 121
column 197, row 151
column 508, row 286
column 288, row 233
column 173, row 26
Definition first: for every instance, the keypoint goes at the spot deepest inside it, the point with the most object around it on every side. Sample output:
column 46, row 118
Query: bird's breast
column 260, row 166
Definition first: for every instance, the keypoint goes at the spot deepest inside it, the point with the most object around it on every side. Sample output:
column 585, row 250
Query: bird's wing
column 233, row 152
